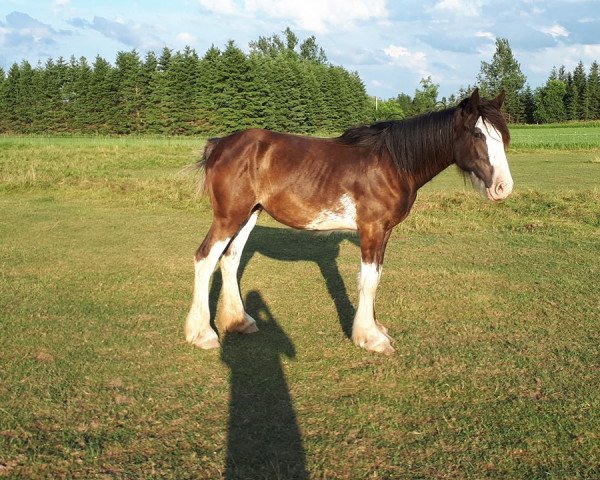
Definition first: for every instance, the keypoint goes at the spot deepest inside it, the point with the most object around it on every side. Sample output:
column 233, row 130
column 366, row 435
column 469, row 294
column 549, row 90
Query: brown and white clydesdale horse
column 366, row 180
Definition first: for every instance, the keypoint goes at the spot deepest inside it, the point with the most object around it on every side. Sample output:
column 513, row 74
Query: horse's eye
column 478, row 133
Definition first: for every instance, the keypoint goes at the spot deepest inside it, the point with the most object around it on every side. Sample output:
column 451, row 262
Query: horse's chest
column 339, row 216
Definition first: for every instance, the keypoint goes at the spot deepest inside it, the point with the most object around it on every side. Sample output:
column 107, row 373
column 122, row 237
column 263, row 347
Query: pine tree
column 572, row 100
column 24, row 107
column 182, row 92
column 592, row 93
column 127, row 112
column 232, row 90
column 208, row 76
column 148, row 82
column 103, row 96
column 158, row 114
column 549, row 103
column 504, row 72
column 527, row 98
column 3, row 112
column 578, row 92
column 11, row 93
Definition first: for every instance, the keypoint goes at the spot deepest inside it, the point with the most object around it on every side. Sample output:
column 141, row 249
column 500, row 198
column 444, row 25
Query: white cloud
column 592, row 51
column 488, row 35
column 464, row 8
column 312, row 15
column 555, row 31
column 402, row 57
column 61, row 3
column 542, row 61
column 135, row 35
column 185, row 37
column 220, row 7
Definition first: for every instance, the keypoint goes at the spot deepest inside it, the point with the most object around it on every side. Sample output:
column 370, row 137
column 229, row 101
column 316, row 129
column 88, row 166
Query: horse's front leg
column 366, row 331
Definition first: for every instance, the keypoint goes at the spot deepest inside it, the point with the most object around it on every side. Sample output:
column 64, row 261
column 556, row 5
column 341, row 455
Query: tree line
column 565, row 95
column 281, row 84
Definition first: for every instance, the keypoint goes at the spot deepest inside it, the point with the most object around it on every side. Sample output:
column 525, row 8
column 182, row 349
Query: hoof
column 377, row 342
column 206, row 340
column 382, row 328
column 246, row 326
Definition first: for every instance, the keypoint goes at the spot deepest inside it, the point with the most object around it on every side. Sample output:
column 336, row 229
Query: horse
column 365, row 180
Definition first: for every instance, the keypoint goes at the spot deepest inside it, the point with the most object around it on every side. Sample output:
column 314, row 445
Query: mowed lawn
column 495, row 309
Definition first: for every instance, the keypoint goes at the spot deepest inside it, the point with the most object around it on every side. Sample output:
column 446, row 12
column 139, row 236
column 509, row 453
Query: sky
column 391, row 44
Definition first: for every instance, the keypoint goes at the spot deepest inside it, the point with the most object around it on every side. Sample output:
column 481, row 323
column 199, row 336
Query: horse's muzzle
column 499, row 190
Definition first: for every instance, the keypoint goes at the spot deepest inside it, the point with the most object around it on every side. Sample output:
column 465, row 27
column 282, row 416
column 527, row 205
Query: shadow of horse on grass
column 289, row 245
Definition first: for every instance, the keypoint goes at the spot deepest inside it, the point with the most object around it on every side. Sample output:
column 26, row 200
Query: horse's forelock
column 495, row 116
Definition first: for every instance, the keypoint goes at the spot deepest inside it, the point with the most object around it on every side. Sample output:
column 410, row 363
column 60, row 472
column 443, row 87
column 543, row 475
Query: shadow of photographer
column 264, row 439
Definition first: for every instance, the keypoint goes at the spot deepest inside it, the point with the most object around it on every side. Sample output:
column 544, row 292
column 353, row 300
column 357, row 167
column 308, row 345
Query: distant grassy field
column 575, row 136
column 494, row 308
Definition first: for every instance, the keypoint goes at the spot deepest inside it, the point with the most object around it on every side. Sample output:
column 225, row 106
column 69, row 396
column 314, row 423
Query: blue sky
column 392, row 45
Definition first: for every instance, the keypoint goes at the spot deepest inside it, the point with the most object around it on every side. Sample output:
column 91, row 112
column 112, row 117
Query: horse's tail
column 211, row 143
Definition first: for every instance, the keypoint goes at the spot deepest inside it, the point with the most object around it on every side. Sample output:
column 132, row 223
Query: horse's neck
column 428, row 170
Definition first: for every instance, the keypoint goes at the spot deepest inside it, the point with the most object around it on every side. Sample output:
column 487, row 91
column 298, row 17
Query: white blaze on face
column 502, row 182
column 341, row 217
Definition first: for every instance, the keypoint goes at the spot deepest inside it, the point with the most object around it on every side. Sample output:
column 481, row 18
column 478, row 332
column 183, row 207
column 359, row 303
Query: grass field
column 495, row 310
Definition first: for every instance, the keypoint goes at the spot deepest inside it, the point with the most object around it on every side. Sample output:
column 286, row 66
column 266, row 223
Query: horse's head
column 480, row 140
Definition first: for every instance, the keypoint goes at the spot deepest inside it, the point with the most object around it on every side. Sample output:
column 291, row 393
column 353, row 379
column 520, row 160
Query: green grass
column 559, row 136
column 495, row 310
column 577, row 136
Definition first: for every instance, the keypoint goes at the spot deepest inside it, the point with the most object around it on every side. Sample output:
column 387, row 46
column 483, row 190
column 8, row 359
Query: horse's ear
column 499, row 100
column 470, row 111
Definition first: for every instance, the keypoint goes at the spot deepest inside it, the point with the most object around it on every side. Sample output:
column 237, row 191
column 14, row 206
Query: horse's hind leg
column 233, row 316
column 197, row 325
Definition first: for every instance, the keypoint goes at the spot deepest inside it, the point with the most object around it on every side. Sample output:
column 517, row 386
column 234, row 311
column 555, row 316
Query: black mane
column 419, row 142
column 408, row 142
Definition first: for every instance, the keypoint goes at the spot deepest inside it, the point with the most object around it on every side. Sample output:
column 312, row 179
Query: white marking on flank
column 341, row 217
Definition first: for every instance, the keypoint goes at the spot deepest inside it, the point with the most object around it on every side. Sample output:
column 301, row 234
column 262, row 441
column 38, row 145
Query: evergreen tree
column 164, row 59
column 127, row 113
column 3, row 110
column 78, row 100
column 149, row 81
column 231, row 89
column 577, row 92
column 208, row 76
column 504, row 72
column 549, row 103
column 572, row 100
column 182, row 92
column 103, row 96
column 24, row 107
column 528, row 100
column 592, row 93
column 11, row 92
